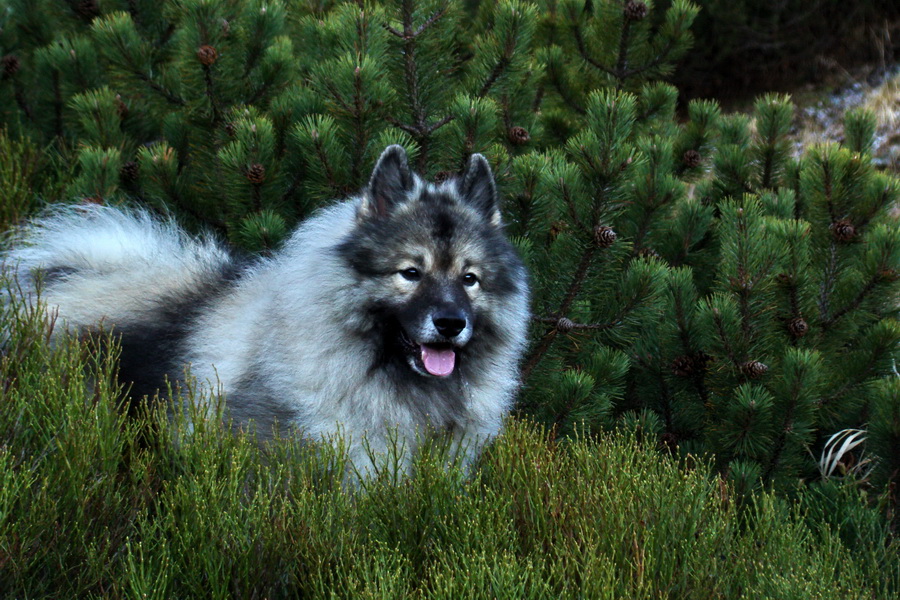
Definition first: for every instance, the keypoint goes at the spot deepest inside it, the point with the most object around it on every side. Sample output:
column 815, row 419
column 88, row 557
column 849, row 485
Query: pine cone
column 843, row 230
column 798, row 327
column 691, row 159
column 88, row 8
column 604, row 236
column 129, row 172
column 256, row 173
column 207, row 55
column 634, row 10
column 518, row 135
column 442, row 176
column 754, row 369
column 565, row 325
column 646, row 252
column 10, row 64
column 230, row 129
column 684, row 366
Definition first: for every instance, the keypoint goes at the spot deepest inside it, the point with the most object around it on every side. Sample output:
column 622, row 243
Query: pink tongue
column 438, row 361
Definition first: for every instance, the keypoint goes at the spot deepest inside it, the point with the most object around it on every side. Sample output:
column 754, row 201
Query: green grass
column 97, row 503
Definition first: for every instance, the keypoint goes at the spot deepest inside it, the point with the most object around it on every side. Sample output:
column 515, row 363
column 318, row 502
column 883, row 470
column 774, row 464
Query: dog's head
column 432, row 263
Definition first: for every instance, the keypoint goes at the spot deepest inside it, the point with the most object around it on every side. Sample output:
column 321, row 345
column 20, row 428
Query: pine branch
column 768, row 168
column 505, row 60
column 863, row 374
column 169, row 96
column 550, row 335
column 854, row 304
column 420, row 130
column 323, row 160
column 583, row 51
column 556, row 79
column 666, row 399
column 622, row 61
column 210, row 93
column 257, row 197
column 723, row 337
column 697, row 378
column 359, row 126
column 496, row 72
column 828, row 284
column 570, row 205
column 57, row 105
column 786, row 428
column 287, row 197
column 555, row 321
column 19, row 95
column 658, row 60
column 538, row 99
column 414, row 131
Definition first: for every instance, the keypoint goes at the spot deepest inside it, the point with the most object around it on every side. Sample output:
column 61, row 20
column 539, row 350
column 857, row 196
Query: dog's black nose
column 449, row 323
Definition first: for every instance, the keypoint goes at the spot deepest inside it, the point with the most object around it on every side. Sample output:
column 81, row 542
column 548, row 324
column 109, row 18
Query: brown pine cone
column 691, row 159
column 518, row 135
column 635, row 10
column 129, row 172
column 754, row 369
column 684, row 366
column 207, row 55
column 798, row 327
column 646, row 252
column 843, row 230
column 565, row 325
column 256, row 173
column 604, row 236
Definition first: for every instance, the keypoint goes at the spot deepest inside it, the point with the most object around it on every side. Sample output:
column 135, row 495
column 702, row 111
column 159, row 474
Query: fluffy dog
column 402, row 309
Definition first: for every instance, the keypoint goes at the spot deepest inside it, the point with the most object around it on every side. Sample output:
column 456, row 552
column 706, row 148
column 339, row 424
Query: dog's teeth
column 438, row 361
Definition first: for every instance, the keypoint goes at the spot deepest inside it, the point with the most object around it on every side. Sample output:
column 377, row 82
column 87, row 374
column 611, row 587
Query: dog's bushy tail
column 96, row 262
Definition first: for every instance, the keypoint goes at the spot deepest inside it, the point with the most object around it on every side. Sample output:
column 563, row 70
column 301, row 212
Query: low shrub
column 95, row 502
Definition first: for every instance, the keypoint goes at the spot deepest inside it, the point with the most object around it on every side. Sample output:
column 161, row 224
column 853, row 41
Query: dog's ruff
column 405, row 308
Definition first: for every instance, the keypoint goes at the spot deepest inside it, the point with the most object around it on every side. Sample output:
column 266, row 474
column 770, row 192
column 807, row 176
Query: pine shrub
column 696, row 280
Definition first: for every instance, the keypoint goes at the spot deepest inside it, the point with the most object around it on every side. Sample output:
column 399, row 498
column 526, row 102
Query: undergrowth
column 96, row 502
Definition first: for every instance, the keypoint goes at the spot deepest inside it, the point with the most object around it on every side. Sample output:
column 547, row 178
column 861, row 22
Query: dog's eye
column 470, row 279
column 411, row 274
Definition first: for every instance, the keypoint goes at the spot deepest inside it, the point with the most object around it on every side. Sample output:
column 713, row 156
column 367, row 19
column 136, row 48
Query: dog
column 402, row 309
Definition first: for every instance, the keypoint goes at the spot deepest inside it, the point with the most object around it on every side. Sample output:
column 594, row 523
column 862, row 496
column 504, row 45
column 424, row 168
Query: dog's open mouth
column 438, row 359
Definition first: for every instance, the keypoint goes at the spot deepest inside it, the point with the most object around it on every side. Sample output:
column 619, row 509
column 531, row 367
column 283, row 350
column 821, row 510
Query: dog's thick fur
column 404, row 308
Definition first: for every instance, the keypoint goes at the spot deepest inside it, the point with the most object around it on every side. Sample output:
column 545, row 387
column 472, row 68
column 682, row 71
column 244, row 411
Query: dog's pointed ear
column 390, row 184
column 477, row 187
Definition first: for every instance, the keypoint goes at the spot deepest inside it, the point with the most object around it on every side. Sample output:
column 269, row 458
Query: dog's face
column 433, row 262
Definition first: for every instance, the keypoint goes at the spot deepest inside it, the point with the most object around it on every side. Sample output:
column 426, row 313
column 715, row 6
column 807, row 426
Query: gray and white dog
column 400, row 310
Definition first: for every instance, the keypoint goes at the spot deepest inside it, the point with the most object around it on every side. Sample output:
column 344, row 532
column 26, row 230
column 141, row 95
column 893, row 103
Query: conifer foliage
column 693, row 277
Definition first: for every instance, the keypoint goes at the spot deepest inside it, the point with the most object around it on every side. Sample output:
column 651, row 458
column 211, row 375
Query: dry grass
column 822, row 120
